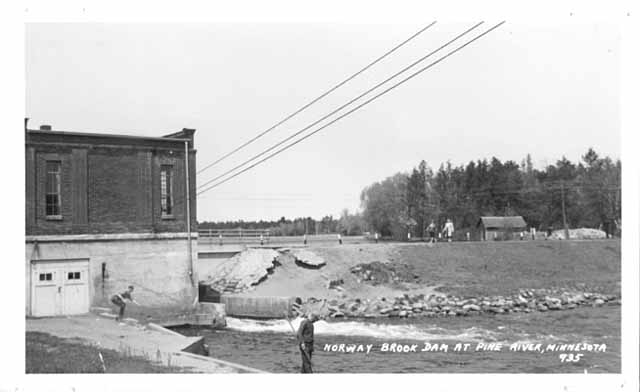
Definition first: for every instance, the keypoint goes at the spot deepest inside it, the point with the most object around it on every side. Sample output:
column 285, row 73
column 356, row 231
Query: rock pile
column 579, row 234
column 526, row 301
column 376, row 273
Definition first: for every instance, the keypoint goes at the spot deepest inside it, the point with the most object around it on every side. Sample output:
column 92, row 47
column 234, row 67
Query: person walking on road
column 305, row 340
column 431, row 231
column 119, row 300
column 448, row 230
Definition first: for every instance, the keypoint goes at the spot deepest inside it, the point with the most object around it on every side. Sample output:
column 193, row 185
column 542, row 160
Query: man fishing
column 305, row 340
column 119, row 300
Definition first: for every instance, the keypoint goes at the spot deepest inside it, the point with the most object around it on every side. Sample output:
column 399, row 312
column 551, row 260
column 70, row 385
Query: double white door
column 59, row 288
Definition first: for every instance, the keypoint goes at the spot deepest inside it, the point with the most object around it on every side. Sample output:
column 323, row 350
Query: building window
column 73, row 275
column 46, row 277
column 52, row 194
column 166, row 190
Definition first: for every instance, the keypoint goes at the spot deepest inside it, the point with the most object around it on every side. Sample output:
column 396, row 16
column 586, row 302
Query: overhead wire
column 340, row 107
column 355, row 108
column 332, row 89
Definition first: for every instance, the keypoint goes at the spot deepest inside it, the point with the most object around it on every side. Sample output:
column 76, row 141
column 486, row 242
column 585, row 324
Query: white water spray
column 363, row 329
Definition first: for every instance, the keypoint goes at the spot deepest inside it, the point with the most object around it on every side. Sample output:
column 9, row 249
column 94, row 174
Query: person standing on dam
column 305, row 340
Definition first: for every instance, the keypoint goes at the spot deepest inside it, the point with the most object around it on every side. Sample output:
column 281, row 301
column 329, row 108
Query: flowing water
column 270, row 345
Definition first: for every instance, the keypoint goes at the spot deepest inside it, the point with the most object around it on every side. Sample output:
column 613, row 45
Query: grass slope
column 500, row 268
column 50, row 354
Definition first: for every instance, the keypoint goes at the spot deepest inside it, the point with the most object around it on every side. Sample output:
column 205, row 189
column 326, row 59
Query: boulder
column 334, row 283
column 472, row 307
column 307, row 258
column 554, row 306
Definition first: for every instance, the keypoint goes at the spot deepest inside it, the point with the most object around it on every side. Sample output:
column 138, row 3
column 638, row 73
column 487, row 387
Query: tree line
column 406, row 202
column 346, row 224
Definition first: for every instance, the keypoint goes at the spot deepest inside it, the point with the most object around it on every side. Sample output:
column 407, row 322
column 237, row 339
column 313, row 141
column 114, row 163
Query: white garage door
column 59, row 287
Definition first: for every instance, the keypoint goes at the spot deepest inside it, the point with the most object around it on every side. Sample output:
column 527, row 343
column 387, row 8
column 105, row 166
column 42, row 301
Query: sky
column 549, row 90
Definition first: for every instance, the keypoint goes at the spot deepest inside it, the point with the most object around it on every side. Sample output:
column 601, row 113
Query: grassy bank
column 500, row 268
column 50, row 354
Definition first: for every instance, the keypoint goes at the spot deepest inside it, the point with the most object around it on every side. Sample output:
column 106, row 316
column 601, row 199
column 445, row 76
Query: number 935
column 570, row 357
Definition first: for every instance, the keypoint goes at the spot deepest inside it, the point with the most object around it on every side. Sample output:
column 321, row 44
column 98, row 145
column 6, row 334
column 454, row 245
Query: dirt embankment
column 368, row 280
column 335, row 280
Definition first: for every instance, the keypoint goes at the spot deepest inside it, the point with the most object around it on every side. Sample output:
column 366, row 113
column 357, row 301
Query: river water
column 270, row 345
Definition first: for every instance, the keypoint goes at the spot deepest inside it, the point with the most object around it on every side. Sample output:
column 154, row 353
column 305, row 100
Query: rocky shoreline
column 442, row 305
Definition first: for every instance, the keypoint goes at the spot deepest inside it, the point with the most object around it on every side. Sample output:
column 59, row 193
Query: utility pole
column 564, row 214
column 192, row 271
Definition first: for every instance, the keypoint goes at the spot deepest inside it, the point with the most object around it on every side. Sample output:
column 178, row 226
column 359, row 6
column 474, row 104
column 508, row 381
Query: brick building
column 106, row 211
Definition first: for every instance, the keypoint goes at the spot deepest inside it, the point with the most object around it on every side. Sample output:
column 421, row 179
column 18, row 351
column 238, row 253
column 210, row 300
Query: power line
column 316, row 99
column 356, row 108
column 340, row 108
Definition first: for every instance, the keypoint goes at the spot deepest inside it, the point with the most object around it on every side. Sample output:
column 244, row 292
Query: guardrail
column 235, row 236
column 264, row 237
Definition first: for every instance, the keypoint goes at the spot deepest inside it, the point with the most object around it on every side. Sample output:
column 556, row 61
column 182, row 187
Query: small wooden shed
column 500, row 228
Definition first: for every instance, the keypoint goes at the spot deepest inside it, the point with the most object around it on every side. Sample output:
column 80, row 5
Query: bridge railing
column 234, row 236
column 265, row 237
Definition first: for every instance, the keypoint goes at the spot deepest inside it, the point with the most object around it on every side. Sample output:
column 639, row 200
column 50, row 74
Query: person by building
column 305, row 340
column 339, row 238
column 448, row 230
column 431, row 231
column 304, row 238
column 533, row 233
column 375, row 235
column 119, row 300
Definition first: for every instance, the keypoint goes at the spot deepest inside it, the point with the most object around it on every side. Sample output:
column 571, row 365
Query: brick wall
column 113, row 189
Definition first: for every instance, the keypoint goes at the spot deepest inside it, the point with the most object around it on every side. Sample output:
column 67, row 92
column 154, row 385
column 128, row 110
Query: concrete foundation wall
column 159, row 268
column 258, row 307
column 211, row 256
column 207, row 266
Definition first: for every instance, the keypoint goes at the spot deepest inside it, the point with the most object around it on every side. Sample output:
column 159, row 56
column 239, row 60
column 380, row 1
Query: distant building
column 106, row 211
column 500, row 227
